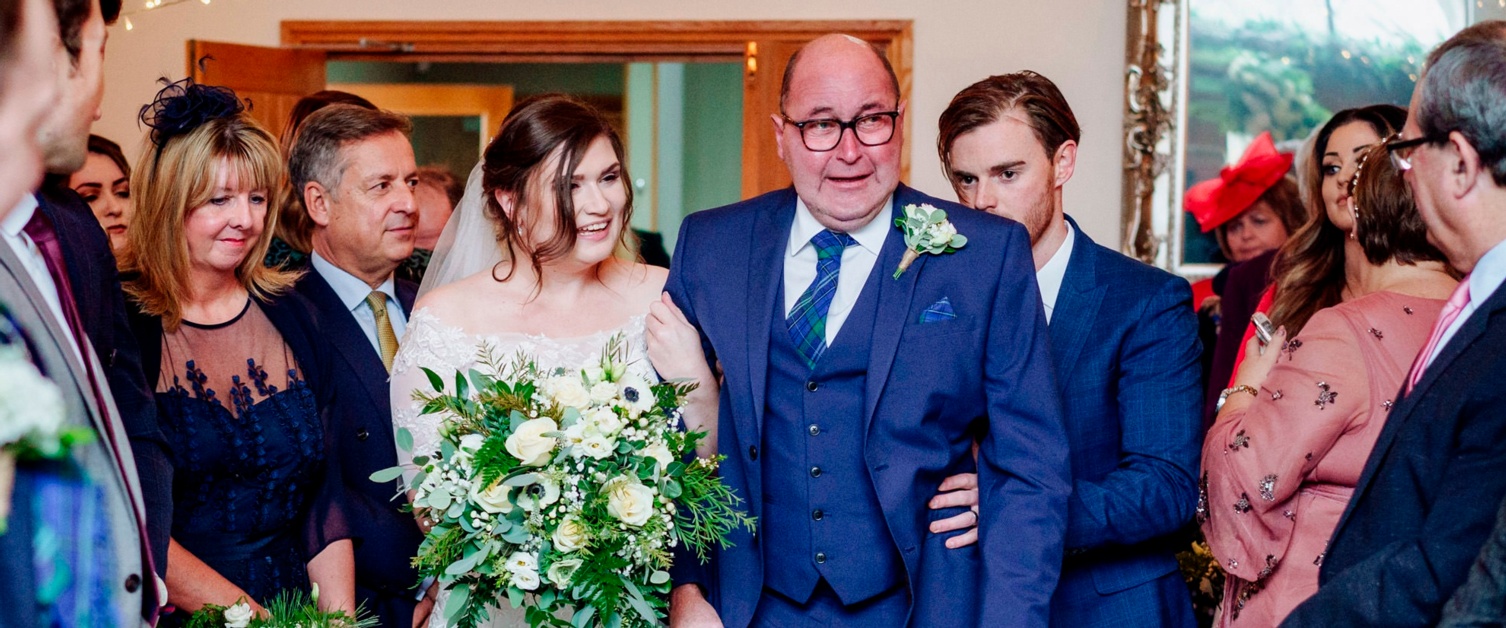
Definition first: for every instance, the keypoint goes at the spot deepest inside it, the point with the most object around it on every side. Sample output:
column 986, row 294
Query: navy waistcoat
column 821, row 517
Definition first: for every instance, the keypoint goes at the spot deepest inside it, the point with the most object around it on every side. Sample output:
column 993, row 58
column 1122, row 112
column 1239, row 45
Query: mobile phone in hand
column 1263, row 328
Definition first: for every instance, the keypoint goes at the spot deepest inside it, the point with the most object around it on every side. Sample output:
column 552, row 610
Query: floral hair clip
column 185, row 105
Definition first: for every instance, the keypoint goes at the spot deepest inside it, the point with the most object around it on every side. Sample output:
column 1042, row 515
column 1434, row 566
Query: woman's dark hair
column 1386, row 223
column 1308, row 271
column 514, row 165
column 10, row 30
column 101, row 146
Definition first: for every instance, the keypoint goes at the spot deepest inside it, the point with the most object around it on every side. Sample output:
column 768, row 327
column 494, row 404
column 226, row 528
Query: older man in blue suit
column 1125, row 341
column 852, row 389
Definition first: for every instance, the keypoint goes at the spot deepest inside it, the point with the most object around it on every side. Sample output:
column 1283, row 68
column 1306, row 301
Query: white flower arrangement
column 562, row 492
column 928, row 232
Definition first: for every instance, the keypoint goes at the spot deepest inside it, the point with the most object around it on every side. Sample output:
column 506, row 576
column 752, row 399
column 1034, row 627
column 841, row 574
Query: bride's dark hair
column 514, row 164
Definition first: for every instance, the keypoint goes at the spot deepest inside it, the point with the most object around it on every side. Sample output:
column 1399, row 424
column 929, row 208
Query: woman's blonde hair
column 180, row 176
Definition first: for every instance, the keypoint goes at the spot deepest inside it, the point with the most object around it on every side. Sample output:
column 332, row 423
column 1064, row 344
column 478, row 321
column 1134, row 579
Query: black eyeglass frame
column 842, row 128
column 1400, row 150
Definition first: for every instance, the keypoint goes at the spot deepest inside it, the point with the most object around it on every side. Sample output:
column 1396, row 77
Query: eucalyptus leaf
column 387, row 475
column 672, row 489
column 515, row 596
column 466, row 564
column 938, row 216
column 522, row 479
column 404, row 439
column 515, row 535
column 582, row 618
column 659, row 577
column 459, row 596
column 516, row 419
column 959, row 241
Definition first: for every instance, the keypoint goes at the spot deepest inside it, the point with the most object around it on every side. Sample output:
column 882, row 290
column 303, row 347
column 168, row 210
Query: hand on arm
column 674, row 347
column 957, row 491
column 688, row 608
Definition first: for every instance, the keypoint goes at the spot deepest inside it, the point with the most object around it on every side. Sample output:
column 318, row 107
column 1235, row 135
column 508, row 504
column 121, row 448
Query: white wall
column 1078, row 43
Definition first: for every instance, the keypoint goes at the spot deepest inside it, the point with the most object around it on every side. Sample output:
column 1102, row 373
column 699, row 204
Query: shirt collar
column 1050, row 276
column 870, row 236
column 351, row 289
column 16, row 220
column 1488, row 274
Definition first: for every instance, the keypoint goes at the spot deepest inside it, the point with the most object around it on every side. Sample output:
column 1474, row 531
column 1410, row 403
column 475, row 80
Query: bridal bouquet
column 562, row 492
column 289, row 609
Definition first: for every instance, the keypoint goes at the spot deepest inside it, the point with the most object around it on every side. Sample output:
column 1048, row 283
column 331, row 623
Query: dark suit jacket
column 1240, row 295
column 932, row 389
column 1427, row 498
column 1124, row 339
column 363, row 422
column 1482, row 600
column 101, row 305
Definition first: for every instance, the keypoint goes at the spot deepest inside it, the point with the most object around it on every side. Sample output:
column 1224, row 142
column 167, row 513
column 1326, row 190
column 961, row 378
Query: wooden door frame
column 603, row 42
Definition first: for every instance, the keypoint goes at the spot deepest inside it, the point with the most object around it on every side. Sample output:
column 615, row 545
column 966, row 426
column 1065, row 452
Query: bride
column 534, row 259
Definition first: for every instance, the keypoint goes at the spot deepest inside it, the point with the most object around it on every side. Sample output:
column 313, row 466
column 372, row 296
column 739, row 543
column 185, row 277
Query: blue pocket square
column 939, row 312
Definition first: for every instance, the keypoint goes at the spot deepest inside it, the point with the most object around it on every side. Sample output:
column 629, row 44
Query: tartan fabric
column 807, row 320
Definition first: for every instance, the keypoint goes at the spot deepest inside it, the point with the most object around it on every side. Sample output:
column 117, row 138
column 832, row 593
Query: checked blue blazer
column 1124, row 338
column 933, row 387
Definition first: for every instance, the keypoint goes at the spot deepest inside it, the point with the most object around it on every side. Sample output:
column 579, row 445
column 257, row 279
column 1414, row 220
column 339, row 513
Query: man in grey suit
column 75, row 551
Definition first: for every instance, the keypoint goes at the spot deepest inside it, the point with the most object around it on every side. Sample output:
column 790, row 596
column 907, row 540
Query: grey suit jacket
column 113, row 471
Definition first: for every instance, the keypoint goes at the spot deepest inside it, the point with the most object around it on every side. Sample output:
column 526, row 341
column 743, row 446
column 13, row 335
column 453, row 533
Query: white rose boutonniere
column 927, row 231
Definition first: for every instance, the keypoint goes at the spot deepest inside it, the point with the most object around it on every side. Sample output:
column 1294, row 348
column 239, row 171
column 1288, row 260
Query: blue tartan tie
column 807, row 321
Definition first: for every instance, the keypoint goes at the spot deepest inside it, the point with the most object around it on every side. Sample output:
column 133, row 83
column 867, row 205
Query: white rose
column 492, row 499
column 562, row 570
column 660, row 453
column 472, row 442
column 574, row 436
column 603, row 392
column 529, row 444
column 522, row 561
column 630, row 501
column 606, row 421
column 598, row 446
column 569, row 536
column 526, row 580
column 942, row 233
column 569, row 392
column 539, row 494
column 238, row 615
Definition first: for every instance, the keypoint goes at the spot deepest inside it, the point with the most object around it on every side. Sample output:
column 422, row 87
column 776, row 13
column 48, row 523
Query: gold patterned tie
column 386, row 339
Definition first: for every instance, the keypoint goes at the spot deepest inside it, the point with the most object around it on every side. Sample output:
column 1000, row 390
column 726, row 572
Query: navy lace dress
column 251, row 495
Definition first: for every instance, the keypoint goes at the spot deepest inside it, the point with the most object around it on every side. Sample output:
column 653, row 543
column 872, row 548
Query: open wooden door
column 764, row 63
column 272, row 79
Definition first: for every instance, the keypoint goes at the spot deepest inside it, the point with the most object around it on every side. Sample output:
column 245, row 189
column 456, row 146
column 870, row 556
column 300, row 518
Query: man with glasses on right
column 1428, row 496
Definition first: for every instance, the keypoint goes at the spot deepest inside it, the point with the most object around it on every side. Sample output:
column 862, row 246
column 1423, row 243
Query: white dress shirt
column 12, row 232
column 1050, row 276
column 1487, row 276
column 353, row 292
column 857, row 262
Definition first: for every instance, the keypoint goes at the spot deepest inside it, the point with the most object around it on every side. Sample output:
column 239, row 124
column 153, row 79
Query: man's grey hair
column 1464, row 90
column 316, row 149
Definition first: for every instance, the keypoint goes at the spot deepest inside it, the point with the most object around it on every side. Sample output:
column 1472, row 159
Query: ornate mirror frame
column 1155, row 90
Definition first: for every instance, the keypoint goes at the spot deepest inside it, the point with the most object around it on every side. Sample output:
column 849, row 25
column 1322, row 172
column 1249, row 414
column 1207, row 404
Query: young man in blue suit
column 354, row 169
column 852, row 391
column 1428, row 496
column 1124, row 336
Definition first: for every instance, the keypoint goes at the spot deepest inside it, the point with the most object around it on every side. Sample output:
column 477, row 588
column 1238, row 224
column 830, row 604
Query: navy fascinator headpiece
column 182, row 106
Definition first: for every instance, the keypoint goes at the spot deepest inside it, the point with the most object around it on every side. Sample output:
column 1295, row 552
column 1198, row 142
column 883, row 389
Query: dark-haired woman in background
column 1295, row 429
column 105, row 184
column 238, row 381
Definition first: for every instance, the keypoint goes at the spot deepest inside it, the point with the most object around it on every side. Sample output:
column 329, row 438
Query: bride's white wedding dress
column 446, row 349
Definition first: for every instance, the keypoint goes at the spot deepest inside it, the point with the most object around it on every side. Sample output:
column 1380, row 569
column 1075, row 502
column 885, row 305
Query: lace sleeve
column 431, row 344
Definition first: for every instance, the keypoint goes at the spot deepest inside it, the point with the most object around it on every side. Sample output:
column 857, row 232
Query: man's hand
column 425, row 607
column 958, row 490
column 688, row 608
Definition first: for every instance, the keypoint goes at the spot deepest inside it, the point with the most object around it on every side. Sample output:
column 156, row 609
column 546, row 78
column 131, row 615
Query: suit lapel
column 1077, row 304
column 350, row 341
column 75, row 373
column 771, row 233
column 893, row 305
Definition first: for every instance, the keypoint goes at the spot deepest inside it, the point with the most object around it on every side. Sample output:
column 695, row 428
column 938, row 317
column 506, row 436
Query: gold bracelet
column 1224, row 396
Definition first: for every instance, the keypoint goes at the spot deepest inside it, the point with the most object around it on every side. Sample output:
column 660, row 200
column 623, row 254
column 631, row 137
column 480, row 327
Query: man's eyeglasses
column 823, row 134
column 1401, row 150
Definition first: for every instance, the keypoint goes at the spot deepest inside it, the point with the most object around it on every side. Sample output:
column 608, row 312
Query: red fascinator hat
column 1217, row 201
